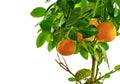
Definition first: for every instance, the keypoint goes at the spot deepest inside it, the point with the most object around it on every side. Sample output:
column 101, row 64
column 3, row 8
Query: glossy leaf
column 77, row 48
column 38, row 12
column 71, row 79
column 81, row 74
column 86, row 7
column 104, row 54
column 117, row 67
column 104, row 45
column 83, row 2
column 76, row 22
column 116, row 11
column 99, row 11
column 89, row 31
column 92, row 1
column 57, row 37
column 41, row 39
column 83, row 52
column 77, row 1
column 110, row 8
column 118, row 2
column 62, row 4
column 51, row 45
column 107, row 75
column 46, row 25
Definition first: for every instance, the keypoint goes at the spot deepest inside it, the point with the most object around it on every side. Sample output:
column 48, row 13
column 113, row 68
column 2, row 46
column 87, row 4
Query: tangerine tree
column 80, row 27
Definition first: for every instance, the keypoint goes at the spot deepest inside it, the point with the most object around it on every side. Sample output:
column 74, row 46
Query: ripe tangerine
column 66, row 47
column 106, row 32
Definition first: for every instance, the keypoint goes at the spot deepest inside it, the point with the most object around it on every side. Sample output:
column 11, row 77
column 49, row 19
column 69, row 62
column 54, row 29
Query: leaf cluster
column 65, row 18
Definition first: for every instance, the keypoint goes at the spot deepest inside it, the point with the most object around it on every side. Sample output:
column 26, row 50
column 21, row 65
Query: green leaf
column 110, row 7
column 118, row 2
column 71, row 79
column 92, row 1
column 83, row 2
column 104, row 45
column 41, row 39
column 75, row 21
column 38, row 12
column 117, row 67
column 57, row 37
column 51, row 45
column 107, row 75
column 89, row 31
column 46, row 25
column 65, row 4
column 92, row 30
column 104, row 54
column 92, row 51
column 77, row 48
column 62, row 3
column 71, row 4
column 83, row 52
column 99, row 11
column 118, row 33
column 86, row 7
column 81, row 74
column 76, row 1
column 100, row 60
column 116, row 11
column 62, row 21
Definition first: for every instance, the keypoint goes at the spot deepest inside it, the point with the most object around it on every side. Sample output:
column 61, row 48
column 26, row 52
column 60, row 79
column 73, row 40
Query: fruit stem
column 93, row 70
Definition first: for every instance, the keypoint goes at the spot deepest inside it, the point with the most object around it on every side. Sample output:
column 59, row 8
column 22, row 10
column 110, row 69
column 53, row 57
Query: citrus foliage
column 117, row 67
column 65, row 18
column 81, row 74
column 83, row 24
column 71, row 79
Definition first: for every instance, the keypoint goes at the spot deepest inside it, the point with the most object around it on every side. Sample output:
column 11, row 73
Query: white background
column 22, row 63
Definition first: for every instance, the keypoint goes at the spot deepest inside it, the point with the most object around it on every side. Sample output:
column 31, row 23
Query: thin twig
column 65, row 66
column 61, row 65
column 58, row 58
column 65, row 62
column 102, row 77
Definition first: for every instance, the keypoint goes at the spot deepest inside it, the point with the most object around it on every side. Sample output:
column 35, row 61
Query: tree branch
column 65, row 66
column 93, row 70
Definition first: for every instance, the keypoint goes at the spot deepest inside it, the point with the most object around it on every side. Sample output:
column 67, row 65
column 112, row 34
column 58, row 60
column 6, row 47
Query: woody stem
column 93, row 70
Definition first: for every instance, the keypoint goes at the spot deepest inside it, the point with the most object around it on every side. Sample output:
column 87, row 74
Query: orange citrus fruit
column 66, row 47
column 80, row 38
column 106, row 32
column 94, row 22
